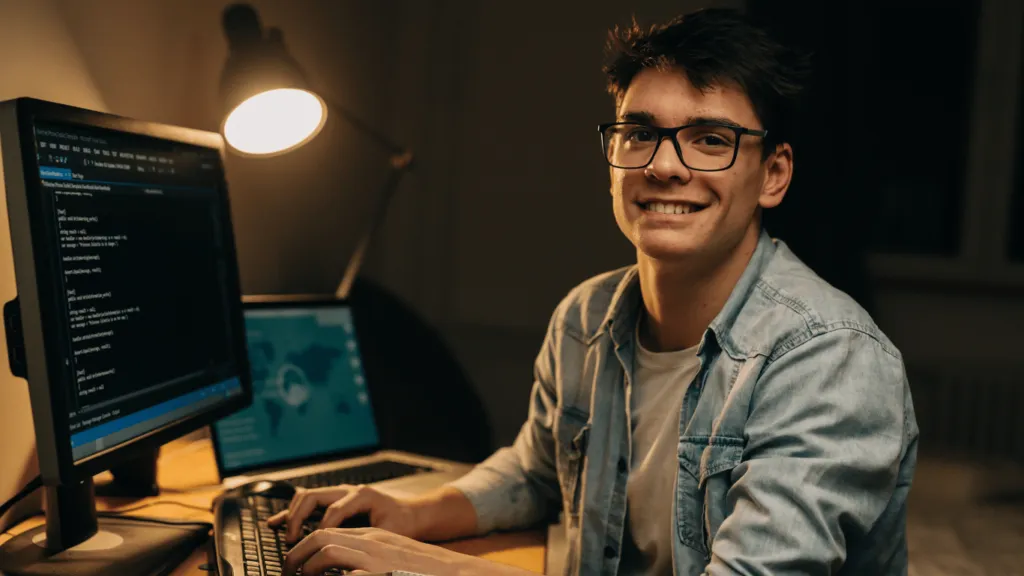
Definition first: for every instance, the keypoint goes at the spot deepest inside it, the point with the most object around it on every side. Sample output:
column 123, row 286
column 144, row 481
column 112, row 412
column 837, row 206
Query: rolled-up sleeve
column 825, row 437
column 517, row 486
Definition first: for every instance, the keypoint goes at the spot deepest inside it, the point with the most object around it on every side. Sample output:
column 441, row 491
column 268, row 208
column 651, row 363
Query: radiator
column 976, row 412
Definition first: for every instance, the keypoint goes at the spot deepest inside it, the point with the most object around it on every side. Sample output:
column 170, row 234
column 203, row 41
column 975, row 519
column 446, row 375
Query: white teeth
column 663, row 208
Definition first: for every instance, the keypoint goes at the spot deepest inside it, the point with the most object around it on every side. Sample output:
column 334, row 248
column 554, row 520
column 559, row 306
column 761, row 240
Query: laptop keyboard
column 365, row 474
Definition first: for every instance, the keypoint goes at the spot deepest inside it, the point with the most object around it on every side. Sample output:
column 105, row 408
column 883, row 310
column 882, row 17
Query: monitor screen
column 142, row 305
column 309, row 389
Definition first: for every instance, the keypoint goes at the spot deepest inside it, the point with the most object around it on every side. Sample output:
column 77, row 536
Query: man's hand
column 342, row 502
column 376, row 550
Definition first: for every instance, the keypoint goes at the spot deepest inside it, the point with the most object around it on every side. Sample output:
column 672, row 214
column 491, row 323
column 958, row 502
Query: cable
column 120, row 514
column 31, row 487
column 119, row 511
column 154, row 520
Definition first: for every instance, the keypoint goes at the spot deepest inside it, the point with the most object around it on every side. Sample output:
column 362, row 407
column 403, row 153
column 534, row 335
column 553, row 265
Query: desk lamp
column 269, row 109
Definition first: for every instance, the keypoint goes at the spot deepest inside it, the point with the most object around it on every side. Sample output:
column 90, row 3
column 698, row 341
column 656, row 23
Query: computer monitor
column 128, row 320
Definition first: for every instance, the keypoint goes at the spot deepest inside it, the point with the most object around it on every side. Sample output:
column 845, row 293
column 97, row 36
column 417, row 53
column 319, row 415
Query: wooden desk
column 187, row 473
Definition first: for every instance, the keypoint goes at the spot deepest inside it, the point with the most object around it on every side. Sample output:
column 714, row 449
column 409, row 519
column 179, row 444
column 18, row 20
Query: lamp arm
column 355, row 120
column 401, row 163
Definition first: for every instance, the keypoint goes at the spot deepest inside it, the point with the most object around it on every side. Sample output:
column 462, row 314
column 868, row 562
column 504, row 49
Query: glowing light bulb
column 275, row 121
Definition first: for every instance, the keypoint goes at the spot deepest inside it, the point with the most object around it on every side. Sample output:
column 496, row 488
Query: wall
column 954, row 326
column 40, row 60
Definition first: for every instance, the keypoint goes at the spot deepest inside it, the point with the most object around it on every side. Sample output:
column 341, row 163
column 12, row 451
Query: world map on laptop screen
column 309, row 389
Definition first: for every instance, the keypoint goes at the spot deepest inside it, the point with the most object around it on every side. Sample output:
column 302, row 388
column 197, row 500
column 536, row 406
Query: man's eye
column 713, row 140
column 641, row 135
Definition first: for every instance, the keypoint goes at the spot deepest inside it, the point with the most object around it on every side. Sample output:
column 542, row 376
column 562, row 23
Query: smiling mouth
column 670, row 207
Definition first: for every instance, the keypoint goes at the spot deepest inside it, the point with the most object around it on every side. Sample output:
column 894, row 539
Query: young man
column 716, row 408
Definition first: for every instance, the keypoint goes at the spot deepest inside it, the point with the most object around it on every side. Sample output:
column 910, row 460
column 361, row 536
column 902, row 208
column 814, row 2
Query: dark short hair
column 714, row 46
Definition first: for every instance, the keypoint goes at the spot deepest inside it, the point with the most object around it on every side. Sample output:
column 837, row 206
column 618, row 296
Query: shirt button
column 623, row 466
column 610, row 552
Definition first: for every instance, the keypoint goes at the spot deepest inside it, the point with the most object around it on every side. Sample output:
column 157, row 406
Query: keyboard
column 365, row 474
column 246, row 544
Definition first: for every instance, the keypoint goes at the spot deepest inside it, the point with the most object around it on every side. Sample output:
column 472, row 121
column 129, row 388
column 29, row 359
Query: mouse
column 277, row 489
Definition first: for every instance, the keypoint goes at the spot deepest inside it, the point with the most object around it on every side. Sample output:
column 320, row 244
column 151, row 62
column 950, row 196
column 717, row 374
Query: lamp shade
column 267, row 105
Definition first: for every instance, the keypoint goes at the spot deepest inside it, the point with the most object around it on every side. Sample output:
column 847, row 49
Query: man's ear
column 777, row 175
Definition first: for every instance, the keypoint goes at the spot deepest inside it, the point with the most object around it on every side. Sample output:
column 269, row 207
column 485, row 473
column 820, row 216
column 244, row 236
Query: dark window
column 881, row 139
column 881, row 135
column 916, row 124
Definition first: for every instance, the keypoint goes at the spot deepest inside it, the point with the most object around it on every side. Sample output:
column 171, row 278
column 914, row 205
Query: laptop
column 312, row 420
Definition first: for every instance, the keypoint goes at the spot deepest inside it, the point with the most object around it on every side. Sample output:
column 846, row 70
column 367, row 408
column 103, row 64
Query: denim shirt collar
column 625, row 305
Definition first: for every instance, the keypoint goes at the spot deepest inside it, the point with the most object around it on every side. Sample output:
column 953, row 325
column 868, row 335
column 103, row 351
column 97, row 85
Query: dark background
column 907, row 194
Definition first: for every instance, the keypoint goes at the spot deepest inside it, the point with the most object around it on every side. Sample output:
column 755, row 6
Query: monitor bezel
column 292, row 301
column 36, row 284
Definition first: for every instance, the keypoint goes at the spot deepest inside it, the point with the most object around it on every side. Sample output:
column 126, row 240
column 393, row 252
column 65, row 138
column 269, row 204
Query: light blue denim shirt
column 797, row 437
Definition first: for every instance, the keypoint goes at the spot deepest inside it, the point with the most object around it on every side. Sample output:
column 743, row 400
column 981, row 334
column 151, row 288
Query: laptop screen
column 309, row 390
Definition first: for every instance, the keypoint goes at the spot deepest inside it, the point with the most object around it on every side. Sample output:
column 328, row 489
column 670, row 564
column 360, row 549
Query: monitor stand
column 134, row 478
column 75, row 542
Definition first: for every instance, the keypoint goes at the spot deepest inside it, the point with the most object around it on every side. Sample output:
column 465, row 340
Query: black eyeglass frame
column 670, row 133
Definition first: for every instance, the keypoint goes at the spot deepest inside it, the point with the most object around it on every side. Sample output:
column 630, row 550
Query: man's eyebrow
column 642, row 117
column 712, row 120
column 639, row 118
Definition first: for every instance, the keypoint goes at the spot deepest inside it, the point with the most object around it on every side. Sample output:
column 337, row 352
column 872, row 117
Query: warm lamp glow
column 275, row 121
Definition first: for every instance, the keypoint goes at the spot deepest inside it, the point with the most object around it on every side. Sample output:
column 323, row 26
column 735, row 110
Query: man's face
column 723, row 202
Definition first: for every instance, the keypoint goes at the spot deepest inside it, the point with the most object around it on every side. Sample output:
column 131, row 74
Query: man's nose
column 667, row 163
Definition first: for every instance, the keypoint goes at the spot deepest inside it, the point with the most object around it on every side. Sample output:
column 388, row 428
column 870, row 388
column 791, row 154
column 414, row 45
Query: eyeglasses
column 706, row 146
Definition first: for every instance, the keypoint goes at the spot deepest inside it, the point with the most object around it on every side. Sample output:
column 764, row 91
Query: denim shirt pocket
column 571, row 434
column 704, row 465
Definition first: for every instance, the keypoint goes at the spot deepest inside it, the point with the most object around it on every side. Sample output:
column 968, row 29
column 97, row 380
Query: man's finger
column 296, row 498
column 304, row 550
column 334, row 556
column 278, row 518
column 312, row 544
column 306, row 505
column 321, row 497
column 353, row 503
column 283, row 515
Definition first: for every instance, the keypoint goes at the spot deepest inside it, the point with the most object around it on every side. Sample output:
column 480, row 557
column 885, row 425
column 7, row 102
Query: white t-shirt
column 660, row 379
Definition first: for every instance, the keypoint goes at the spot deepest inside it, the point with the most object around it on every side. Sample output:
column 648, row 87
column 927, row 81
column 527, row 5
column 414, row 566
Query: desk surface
column 187, row 474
